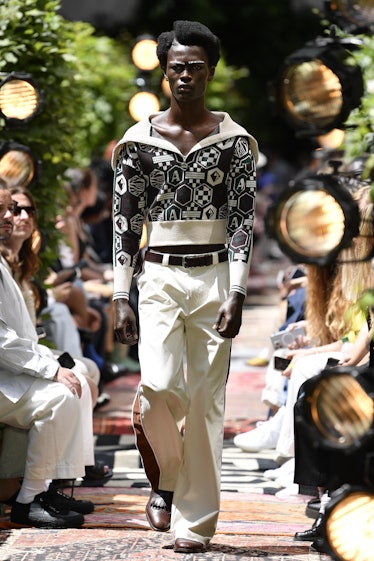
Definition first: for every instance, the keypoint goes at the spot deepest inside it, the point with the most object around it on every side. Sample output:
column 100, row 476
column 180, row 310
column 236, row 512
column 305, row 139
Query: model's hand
column 229, row 318
column 69, row 379
column 124, row 322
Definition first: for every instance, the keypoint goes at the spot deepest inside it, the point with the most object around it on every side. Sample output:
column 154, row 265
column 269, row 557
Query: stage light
column 314, row 219
column 144, row 53
column 318, row 86
column 143, row 104
column 17, row 164
column 20, row 98
column 348, row 527
column 340, row 408
column 354, row 16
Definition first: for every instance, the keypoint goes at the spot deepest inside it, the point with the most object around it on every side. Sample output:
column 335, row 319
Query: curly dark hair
column 189, row 33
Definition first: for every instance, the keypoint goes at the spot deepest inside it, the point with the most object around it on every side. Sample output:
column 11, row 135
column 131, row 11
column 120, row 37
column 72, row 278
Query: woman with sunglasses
column 21, row 253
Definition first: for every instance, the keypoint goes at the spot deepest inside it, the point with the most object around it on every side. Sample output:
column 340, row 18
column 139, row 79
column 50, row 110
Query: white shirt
column 20, row 358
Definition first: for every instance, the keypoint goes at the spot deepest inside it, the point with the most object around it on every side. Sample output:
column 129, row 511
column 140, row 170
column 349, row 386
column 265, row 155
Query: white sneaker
column 290, row 491
column 263, row 437
column 284, row 470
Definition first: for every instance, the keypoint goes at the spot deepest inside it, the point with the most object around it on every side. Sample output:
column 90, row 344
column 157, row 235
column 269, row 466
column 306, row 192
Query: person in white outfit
column 39, row 395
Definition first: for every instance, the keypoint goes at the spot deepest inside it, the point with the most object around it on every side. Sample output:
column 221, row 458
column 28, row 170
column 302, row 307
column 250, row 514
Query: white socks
column 30, row 488
column 325, row 499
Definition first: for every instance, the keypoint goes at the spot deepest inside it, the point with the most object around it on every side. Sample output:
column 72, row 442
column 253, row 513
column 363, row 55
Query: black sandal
column 97, row 475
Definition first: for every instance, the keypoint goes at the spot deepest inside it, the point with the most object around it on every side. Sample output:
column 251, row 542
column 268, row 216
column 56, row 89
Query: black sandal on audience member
column 97, row 475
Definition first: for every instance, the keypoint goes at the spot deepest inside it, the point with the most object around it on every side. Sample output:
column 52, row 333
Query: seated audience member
column 98, row 220
column 39, row 395
column 344, row 321
column 21, row 254
column 21, row 257
column 78, row 258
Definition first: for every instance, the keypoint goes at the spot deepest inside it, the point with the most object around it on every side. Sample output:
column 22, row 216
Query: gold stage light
column 17, row 164
column 20, row 99
column 340, row 407
column 314, row 220
column 318, row 86
column 348, row 528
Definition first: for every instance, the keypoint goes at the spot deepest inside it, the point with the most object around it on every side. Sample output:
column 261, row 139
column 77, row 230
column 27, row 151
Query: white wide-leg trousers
column 182, row 403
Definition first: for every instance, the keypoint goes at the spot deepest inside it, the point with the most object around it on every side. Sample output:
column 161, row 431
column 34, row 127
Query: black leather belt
column 187, row 261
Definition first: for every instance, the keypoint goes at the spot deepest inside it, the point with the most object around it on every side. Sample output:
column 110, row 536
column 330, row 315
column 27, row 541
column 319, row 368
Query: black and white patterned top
column 204, row 197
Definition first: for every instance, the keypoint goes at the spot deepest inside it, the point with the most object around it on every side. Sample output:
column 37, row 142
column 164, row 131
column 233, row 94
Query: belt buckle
column 185, row 260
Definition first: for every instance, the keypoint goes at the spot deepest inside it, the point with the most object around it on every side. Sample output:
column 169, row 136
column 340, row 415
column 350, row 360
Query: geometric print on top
column 212, row 183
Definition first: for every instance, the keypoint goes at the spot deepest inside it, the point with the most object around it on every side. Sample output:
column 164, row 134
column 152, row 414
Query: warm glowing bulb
column 143, row 104
column 18, row 99
column 350, row 527
column 17, row 167
column 144, row 54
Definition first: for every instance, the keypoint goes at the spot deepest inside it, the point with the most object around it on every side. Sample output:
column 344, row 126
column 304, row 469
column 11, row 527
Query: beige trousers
column 184, row 368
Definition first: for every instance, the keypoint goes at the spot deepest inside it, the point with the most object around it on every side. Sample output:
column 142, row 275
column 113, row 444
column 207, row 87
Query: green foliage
column 359, row 137
column 108, row 79
column 86, row 82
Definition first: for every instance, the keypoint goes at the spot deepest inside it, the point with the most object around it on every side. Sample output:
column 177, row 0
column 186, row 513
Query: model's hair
column 189, row 33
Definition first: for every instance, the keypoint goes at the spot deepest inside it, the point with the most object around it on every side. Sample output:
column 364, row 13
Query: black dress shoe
column 183, row 545
column 41, row 514
column 158, row 510
column 312, row 534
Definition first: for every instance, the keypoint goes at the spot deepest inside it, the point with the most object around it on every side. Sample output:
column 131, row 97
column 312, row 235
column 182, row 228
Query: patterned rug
column 132, row 545
column 244, row 513
column 250, row 527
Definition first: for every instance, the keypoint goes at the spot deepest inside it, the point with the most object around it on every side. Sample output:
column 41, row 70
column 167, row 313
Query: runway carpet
column 250, row 527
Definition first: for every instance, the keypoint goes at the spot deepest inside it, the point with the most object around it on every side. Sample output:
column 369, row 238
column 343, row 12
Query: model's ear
column 212, row 70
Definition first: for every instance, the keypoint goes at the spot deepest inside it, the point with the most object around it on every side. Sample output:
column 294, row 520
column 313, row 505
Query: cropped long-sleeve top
column 204, row 197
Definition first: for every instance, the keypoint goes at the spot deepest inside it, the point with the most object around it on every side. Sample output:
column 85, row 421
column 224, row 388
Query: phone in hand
column 66, row 360
column 331, row 362
column 281, row 363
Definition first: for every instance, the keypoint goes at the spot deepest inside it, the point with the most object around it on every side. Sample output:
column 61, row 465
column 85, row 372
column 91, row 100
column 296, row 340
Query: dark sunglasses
column 31, row 211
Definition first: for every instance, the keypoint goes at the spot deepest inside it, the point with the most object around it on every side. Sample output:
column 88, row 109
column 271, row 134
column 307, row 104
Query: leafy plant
column 359, row 138
column 86, row 82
